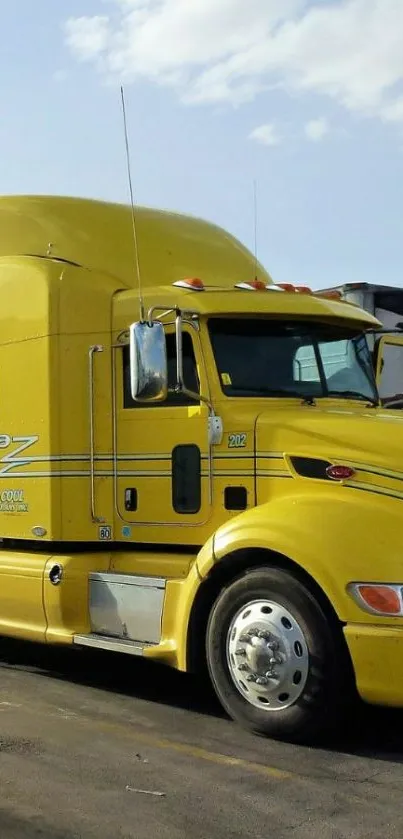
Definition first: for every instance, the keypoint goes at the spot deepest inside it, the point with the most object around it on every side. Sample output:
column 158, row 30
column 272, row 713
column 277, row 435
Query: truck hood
column 293, row 444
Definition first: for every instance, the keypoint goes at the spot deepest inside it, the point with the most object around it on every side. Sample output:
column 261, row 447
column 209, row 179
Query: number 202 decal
column 237, row 441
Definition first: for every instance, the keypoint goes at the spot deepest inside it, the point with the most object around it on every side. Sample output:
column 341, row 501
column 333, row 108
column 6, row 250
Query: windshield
column 267, row 357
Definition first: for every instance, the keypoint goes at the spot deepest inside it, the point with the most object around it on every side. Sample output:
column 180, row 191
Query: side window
column 391, row 379
column 189, row 373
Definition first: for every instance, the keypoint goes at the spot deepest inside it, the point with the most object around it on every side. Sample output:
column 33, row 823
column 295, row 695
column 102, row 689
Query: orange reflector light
column 286, row 286
column 329, row 295
column 383, row 599
column 254, row 285
column 339, row 473
column 193, row 283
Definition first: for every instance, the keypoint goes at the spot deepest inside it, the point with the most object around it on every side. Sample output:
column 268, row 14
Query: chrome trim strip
column 127, row 579
column 117, row 645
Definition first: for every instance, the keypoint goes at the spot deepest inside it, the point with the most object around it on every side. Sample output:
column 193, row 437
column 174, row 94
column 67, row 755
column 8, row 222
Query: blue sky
column 304, row 97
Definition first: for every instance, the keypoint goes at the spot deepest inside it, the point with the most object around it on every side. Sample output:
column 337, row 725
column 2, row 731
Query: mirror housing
column 148, row 362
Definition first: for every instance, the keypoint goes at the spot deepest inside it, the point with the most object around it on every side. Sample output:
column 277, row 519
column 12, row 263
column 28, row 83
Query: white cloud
column 230, row 50
column 316, row 129
column 394, row 111
column 266, row 135
column 87, row 37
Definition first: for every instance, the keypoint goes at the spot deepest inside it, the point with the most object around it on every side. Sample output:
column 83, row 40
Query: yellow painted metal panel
column 377, row 657
column 99, row 236
column 336, row 536
column 21, row 595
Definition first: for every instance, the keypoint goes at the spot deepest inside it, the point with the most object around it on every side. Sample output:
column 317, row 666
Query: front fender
column 337, row 535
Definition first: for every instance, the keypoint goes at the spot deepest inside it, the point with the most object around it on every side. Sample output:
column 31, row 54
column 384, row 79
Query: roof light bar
column 259, row 285
column 297, row 289
column 196, row 284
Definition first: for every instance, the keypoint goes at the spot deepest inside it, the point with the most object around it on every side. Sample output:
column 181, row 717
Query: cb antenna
column 255, row 220
column 129, row 175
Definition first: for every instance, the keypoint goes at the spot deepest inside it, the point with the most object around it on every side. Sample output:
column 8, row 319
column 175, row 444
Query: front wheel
column 277, row 664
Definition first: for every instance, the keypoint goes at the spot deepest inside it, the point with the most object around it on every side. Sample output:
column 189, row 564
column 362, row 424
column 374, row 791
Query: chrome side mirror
column 148, row 362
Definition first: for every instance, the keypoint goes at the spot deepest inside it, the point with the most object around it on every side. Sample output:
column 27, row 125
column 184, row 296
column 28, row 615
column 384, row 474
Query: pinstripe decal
column 104, row 473
column 223, row 461
column 382, row 473
column 273, row 473
column 375, row 489
column 84, row 458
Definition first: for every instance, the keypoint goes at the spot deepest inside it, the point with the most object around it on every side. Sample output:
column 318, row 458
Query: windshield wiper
column 354, row 394
column 264, row 391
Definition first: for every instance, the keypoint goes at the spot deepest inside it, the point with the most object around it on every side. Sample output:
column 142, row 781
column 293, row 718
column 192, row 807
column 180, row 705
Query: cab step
column 116, row 645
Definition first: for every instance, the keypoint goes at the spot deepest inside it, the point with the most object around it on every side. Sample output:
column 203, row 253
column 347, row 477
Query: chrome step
column 116, row 645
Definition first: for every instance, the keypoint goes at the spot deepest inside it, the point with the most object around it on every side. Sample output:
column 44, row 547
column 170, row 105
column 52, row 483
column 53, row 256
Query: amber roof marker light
column 191, row 283
column 253, row 285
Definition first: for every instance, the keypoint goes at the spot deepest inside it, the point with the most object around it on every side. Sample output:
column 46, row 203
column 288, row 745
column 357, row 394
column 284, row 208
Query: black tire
column 329, row 687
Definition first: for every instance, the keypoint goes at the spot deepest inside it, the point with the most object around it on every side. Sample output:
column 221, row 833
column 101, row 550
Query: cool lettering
column 13, row 501
column 12, row 495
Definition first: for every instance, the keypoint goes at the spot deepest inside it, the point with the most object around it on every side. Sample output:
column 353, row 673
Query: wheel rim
column 267, row 655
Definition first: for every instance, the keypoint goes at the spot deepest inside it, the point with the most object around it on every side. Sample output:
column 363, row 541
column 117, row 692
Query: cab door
column 389, row 370
column 162, row 454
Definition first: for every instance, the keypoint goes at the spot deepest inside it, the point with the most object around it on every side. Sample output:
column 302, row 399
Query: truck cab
column 195, row 468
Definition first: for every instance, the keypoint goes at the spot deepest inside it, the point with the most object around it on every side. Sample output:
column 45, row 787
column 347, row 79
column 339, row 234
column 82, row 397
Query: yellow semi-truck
column 213, row 485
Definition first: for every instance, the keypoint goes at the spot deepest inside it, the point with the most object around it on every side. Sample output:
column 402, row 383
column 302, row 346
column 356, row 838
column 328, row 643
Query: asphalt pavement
column 97, row 746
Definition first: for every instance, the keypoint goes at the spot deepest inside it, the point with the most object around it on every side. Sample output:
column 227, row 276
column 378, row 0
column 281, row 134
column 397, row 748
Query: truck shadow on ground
column 371, row 732
column 113, row 672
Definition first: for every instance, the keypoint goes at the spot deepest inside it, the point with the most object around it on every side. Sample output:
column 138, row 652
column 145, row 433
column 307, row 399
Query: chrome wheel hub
column 267, row 655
